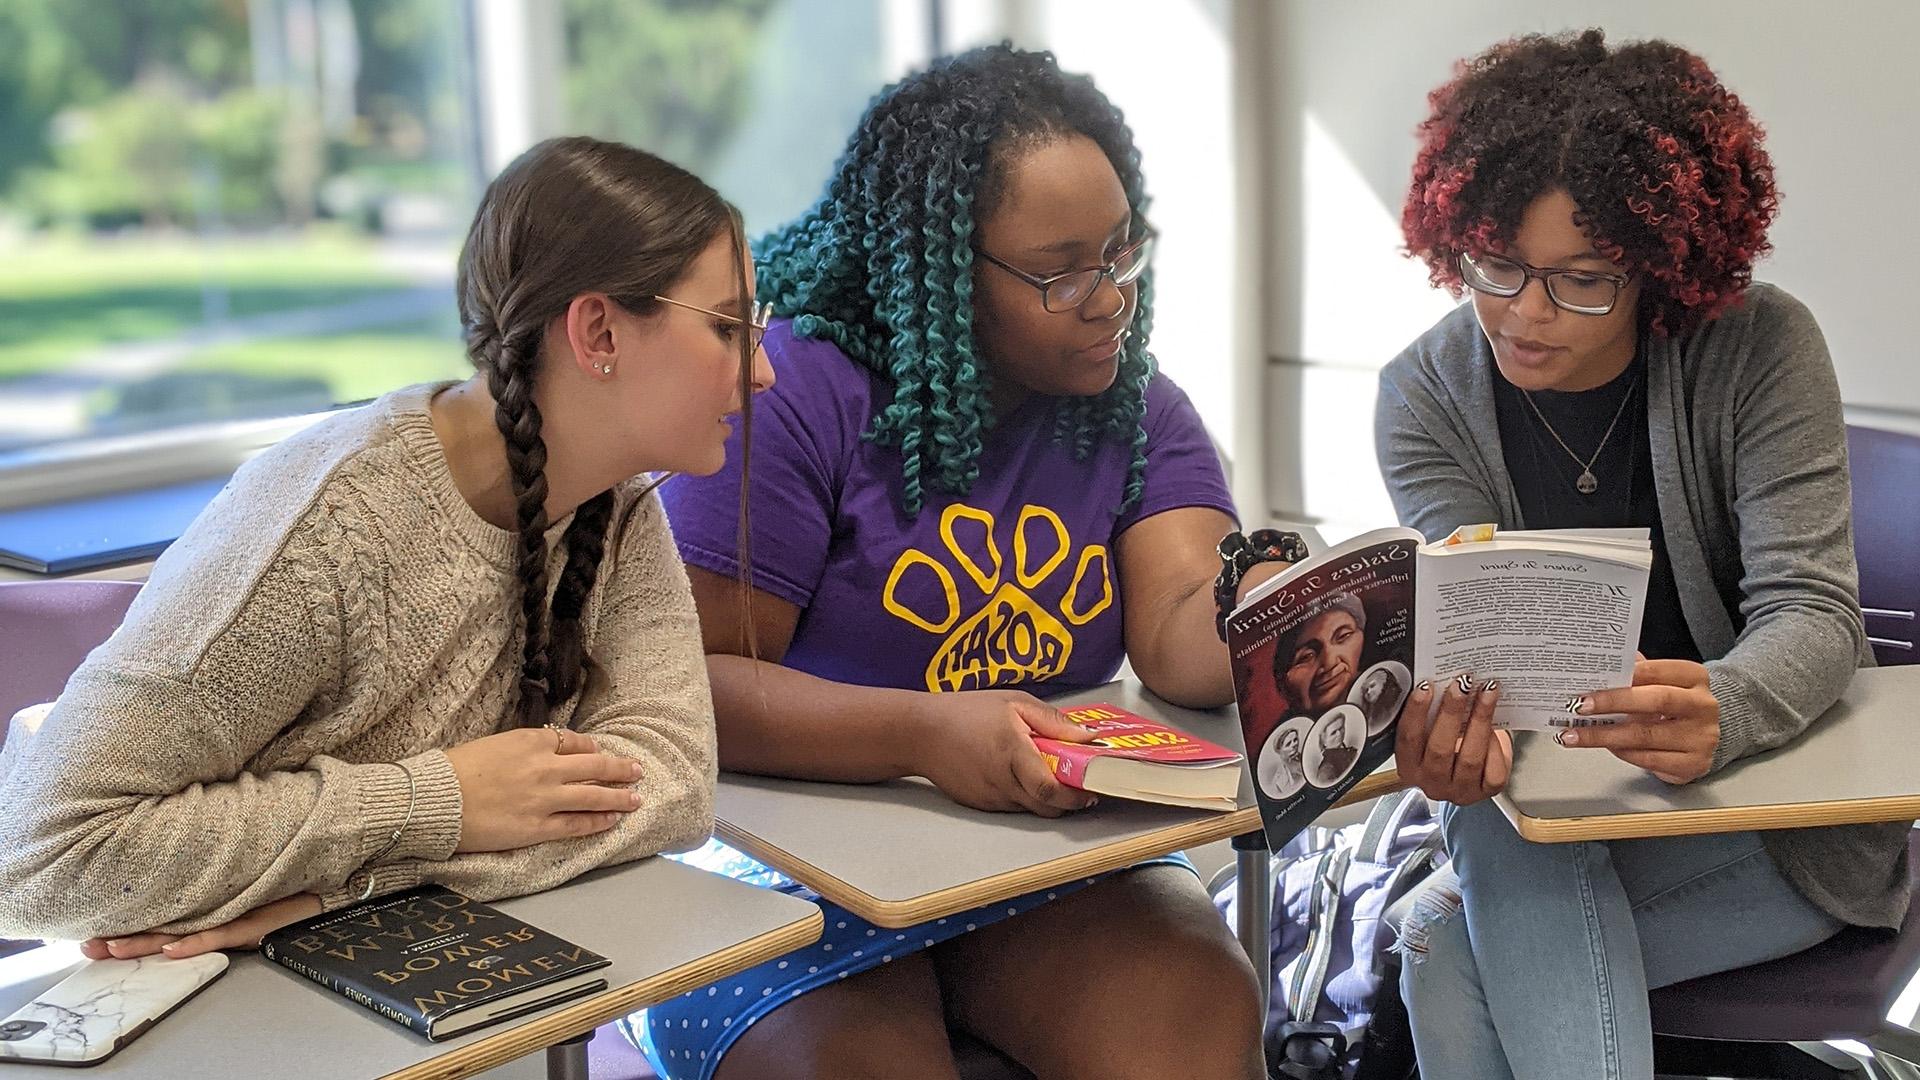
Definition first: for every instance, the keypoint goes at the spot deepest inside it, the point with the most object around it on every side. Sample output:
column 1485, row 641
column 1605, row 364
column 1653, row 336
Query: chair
column 1737, row 1023
column 1745, row 1023
column 46, row 629
column 1886, row 528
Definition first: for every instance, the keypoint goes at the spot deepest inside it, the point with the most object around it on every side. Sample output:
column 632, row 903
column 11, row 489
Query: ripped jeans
column 1534, row 960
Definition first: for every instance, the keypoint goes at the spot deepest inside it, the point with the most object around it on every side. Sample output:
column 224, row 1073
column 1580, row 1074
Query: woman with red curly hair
column 1618, row 366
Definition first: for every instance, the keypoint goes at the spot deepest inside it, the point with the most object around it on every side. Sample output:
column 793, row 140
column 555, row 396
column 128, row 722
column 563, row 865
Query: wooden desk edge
column 899, row 914
column 584, row 1016
column 1718, row 820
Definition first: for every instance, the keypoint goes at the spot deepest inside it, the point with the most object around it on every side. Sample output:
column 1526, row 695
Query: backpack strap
column 1389, row 813
column 1415, row 866
column 1308, row 975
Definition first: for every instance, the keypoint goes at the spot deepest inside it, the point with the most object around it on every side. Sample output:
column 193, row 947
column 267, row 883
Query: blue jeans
column 1547, row 973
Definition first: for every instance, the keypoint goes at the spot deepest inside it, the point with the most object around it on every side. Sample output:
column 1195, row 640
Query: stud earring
column 606, row 369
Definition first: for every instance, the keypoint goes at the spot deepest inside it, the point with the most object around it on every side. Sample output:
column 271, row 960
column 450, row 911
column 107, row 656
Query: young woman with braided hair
column 971, row 486
column 347, row 677
column 1619, row 367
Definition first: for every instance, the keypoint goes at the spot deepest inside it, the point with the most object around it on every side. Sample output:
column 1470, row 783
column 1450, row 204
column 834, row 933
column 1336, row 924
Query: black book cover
column 435, row 961
column 1322, row 662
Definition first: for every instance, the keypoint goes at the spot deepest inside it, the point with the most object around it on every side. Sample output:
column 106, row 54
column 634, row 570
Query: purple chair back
column 46, row 629
column 1886, row 530
column 1841, row 988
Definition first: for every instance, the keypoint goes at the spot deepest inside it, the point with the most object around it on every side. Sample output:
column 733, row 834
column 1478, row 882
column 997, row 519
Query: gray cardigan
column 1750, row 464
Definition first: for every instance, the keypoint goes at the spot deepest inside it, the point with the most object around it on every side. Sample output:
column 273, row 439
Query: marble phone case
column 104, row 1005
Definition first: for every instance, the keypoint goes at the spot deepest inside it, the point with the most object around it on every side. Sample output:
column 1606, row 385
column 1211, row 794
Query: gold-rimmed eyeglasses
column 756, row 325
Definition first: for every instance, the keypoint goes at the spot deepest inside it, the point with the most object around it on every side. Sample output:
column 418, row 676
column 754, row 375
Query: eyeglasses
column 756, row 326
column 1582, row 292
column 1068, row 291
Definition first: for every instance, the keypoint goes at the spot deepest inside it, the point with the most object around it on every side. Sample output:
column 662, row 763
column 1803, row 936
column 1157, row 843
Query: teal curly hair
column 882, row 264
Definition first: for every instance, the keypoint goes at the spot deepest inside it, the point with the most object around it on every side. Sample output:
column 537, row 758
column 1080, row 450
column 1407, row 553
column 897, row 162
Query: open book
column 1325, row 654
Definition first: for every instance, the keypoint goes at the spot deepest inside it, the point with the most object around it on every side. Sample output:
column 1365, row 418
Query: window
column 757, row 97
column 224, row 210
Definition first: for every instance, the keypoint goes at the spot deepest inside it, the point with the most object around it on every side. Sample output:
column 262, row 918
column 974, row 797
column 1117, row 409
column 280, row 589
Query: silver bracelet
column 397, row 833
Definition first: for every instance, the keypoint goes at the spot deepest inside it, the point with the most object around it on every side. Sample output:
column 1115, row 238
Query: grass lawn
column 356, row 365
column 64, row 298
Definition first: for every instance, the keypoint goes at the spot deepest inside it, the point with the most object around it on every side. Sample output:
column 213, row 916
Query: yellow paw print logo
column 1010, row 638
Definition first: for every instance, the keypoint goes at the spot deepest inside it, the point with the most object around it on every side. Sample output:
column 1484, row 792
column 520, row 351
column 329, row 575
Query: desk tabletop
column 901, row 853
column 1854, row 764
column 667, row 928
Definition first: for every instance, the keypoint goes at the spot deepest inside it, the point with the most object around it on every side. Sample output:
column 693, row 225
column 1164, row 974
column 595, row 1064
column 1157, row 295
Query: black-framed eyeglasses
column 756, row 325
column 1583, row 292
column 1068, row 291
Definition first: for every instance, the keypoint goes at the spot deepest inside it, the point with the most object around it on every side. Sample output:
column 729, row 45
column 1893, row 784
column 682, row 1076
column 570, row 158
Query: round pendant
column 1588, row 483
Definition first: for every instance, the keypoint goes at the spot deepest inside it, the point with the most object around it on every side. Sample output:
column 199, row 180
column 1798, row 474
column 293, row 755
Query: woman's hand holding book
column 977, row 747
column 1672, row 726
column 1453, row 754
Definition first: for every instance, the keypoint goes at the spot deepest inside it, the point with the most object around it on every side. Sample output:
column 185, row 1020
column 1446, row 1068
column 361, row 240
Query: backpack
column 1335, row 1009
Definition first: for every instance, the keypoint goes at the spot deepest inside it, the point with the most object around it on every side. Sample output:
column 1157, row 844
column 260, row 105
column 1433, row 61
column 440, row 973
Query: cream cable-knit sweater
column 337, row 608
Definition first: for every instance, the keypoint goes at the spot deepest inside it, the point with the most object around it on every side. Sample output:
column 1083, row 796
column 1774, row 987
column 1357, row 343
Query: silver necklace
column 1587, row 483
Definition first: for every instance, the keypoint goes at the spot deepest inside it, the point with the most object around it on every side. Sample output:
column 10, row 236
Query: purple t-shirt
column 1012, row 584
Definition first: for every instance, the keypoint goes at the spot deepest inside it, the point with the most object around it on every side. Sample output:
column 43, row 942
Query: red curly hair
column 1664, row 162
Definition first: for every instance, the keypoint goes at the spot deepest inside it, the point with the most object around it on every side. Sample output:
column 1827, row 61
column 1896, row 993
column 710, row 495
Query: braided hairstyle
column 882, row 264
column 1664, row 162
column 569, row 216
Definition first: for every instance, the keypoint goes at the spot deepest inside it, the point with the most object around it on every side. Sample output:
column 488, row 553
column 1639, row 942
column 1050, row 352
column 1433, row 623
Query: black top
column 1545, row 479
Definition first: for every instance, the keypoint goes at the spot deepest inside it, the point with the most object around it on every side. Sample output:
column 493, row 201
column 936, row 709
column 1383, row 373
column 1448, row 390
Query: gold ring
column 559, row 740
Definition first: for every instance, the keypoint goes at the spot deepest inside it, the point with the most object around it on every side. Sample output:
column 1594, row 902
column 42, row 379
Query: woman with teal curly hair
column 905, row 307
column 970, row 487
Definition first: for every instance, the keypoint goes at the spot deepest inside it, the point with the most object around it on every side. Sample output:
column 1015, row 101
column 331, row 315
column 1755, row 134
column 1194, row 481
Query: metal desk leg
column 1254, row 881
column 568, row 1061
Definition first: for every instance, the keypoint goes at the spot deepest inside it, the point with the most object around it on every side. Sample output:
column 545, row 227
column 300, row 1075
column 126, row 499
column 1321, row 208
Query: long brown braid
column 569, row 216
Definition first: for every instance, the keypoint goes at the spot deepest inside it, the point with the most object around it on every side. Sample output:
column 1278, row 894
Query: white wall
column 1834, row 84
column 802, row 111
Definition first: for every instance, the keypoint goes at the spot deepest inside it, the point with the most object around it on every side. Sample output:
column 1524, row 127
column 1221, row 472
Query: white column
column 519, row 50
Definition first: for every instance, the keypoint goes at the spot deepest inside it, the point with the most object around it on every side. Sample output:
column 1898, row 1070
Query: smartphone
column 104, row 1005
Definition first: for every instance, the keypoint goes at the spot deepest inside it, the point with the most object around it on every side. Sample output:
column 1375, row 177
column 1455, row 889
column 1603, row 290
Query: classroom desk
column 668, row 928
column 901, row 853
column 133, row 571
column 1856, row 763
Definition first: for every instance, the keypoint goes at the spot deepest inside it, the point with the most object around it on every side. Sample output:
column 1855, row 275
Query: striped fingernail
column 1491, row 686
column 1466, row 684
column 1425, row 687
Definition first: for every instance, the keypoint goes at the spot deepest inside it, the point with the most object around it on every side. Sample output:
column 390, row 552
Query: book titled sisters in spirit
column 435, row 961
column 1325, row 653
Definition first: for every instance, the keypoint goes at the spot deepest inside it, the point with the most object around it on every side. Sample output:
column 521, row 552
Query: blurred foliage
column 670, row 76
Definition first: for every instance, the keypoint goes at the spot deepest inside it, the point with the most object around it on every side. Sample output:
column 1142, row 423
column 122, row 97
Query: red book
column 1138, row 758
